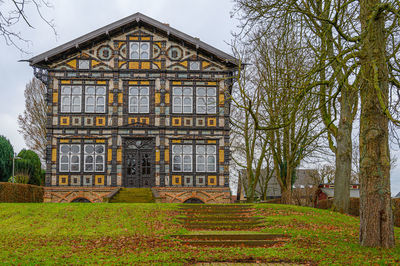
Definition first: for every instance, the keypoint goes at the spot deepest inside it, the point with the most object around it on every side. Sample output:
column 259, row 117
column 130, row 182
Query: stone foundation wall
column 163, row 194
column 68, row 194
column 181, row 194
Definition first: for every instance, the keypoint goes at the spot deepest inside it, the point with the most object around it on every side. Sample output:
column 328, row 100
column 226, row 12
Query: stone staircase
column 235, row 220
column 131, row 195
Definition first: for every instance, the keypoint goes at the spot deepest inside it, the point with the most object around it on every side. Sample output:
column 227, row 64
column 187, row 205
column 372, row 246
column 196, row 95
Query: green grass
column 139, row 233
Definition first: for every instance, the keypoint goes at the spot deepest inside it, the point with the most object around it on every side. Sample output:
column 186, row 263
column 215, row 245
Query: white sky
column 209, row 20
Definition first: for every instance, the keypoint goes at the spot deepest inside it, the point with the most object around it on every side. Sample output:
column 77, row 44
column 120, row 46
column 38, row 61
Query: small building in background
column 305, row 178
column 326, row 191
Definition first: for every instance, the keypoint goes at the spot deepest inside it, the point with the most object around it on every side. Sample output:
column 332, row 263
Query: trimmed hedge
column 14, row 192
column 355, row 207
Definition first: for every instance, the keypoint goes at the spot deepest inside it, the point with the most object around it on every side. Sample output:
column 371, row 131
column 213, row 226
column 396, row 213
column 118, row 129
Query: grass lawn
column 139, row 233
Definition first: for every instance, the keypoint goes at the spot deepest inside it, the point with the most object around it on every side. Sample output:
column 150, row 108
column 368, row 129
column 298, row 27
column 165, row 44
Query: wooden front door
column 139, row 163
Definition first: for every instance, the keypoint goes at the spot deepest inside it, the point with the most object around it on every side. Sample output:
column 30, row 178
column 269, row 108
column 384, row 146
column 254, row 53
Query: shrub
column 6, row 155
column 12, row 192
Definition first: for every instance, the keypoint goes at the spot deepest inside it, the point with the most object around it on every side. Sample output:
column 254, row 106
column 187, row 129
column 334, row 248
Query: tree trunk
column 286, row 193
column 376, row 219
column 344, row 150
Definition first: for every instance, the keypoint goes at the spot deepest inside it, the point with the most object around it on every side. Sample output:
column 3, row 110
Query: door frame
column 125, row 141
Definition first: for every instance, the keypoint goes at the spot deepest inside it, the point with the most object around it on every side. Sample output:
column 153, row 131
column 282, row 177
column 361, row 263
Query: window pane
column 133, row 91
column 64, row 159
column 76, row 108
column 66, row 100
column 101, row 91
column 76, row 100
column 144, row 46
column 201, row 91
column 64, row 148
column 187, row 159
column 134, row 55
column 211, row 149
column 187, row 91
column 88, row 167
column 74, row 167
column 144, row 55
column 99, row 159
column 99, row 149
column 89, row 159
column 177, row 149
column 101, row 100
column 201, row 149
column 177, row 91
column 90, row 90
column 211, row 91
column 187, row 101
column 177, row 159
column 99, row 168
column 90, row 100
column 187, row 149
column 134, row 46
column 133, row 100
column 90, row 108
column 64, row 167
column 76, row 90
column 187, row 167
column 100, row 109
column 66, row 90
column 144, row 91
column 177, row 167
column 74, row 159
column 75, row 148
column 89, row 148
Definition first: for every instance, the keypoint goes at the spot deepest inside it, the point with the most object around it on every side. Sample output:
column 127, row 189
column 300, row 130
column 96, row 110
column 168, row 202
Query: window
column 206, row 100
column 71, row 99
column 94, row 158
column 139, row 99
column 206, row 158
column 139, row 50
column 182, row 101
column 95, row 99
column 194, row 65
column 70, row 157
column 182, row 158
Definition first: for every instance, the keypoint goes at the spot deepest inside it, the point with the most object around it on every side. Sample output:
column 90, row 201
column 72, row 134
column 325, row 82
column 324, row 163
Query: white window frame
column 139, row 96
column 207, row 154
column 139, row 50
column 69, row 156
column 209, row 99
column 97, row 96
column 182, row 155
column 182, row 94
column 71, row 96
column 95, row 154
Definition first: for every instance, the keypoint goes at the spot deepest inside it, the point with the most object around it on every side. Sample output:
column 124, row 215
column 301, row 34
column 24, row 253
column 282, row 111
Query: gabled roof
column 120, row 27
column 398, row 195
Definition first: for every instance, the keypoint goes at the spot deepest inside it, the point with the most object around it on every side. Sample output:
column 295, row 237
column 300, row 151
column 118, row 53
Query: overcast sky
column 209, row 20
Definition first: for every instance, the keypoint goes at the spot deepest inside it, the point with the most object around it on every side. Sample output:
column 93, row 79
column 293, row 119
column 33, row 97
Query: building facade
column 137, row 103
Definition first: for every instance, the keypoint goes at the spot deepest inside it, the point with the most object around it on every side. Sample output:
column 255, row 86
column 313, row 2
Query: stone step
column 232, row 236
column 219, row 218
column 206, row 226
column 214, row 206
column 133, row 195
column 232, row 243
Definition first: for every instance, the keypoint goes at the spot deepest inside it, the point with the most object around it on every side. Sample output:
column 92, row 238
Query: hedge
column 14, row 192
column 355, row 207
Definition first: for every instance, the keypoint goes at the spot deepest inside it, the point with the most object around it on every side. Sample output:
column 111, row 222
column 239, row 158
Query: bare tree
column 366, row 31
column 250, row 148
column 32, row 123
column 12, row 12
column 287, row 114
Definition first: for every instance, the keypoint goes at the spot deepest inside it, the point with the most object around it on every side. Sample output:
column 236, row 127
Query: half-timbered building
column 137, row 103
